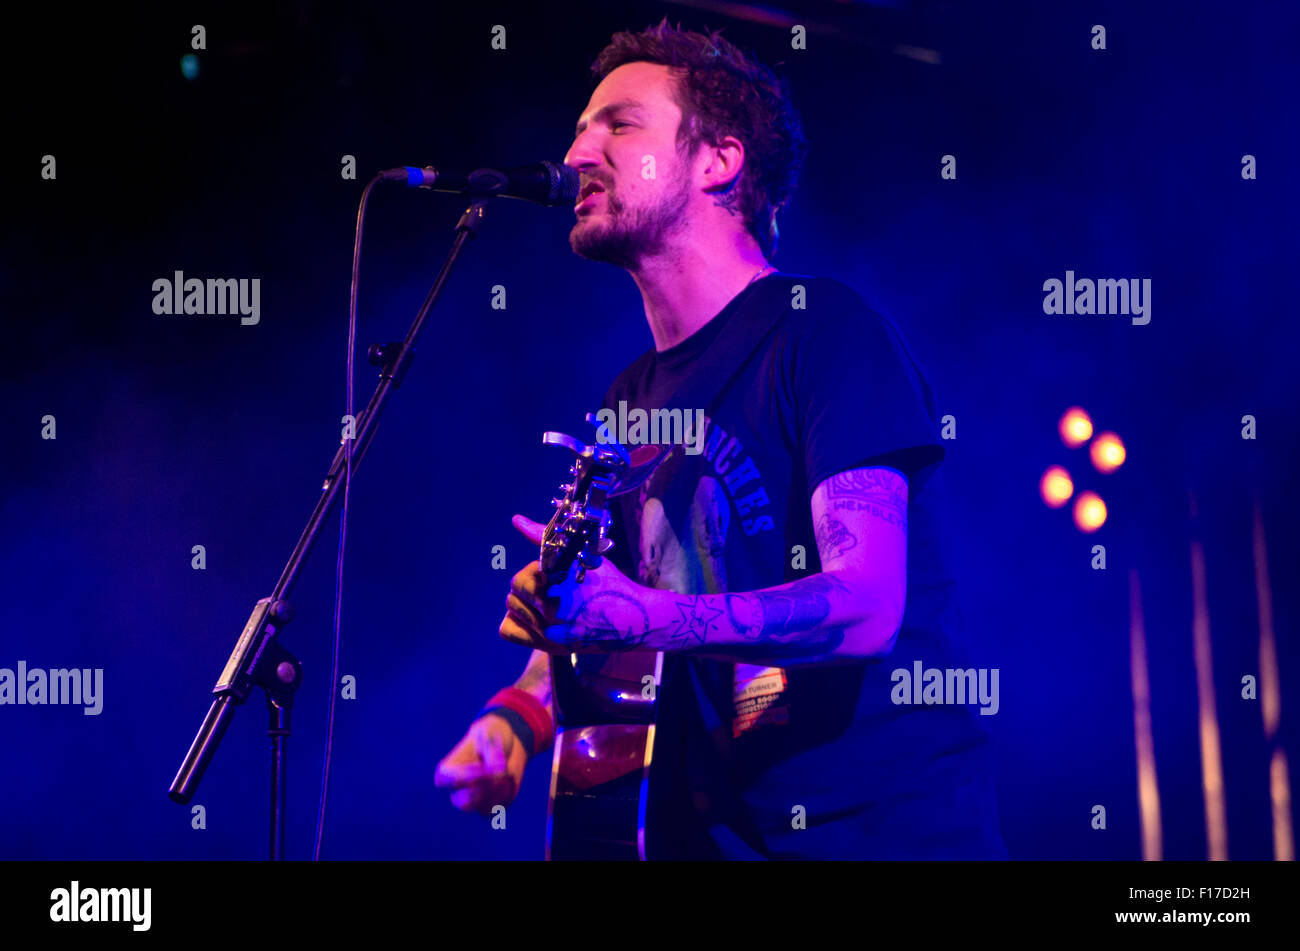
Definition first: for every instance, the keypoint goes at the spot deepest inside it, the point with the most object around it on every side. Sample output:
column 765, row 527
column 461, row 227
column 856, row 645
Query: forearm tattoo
column 695, row 622
column 596, row 619
column 536, row 678
column 788, row 621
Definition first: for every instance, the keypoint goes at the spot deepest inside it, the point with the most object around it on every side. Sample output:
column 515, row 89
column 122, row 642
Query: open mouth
column 588, row 190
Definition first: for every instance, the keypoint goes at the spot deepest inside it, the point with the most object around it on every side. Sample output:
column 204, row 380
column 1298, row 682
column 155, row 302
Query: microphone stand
column 258, row 659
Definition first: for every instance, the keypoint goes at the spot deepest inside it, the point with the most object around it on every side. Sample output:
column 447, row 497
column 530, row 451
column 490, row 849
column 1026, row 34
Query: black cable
column 343, row 519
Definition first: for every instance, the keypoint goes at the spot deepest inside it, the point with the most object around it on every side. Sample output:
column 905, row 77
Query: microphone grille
column 564, row 183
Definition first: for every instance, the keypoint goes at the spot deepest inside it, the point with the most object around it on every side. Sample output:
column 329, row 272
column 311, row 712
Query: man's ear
column 726, row 162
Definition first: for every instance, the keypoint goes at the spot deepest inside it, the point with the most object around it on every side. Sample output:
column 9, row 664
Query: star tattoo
column 696, row 622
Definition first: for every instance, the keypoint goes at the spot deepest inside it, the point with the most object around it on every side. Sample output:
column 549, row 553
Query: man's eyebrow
column 604, row 111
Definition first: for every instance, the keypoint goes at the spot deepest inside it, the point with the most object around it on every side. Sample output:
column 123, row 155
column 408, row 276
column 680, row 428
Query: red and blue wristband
column 527, row 716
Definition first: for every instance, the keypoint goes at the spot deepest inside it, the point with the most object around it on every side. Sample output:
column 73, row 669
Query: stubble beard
column 626, row 236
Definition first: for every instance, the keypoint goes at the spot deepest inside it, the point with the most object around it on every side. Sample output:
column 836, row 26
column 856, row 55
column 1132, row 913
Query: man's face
column 626, row 150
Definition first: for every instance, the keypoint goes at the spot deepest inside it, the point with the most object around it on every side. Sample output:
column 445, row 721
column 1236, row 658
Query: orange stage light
column 1055, row 487
column 1089, row 512
column 1107, row 452
column 1075, row 427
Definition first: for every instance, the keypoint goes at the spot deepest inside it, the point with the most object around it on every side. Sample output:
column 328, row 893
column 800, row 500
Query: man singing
column 791, row 572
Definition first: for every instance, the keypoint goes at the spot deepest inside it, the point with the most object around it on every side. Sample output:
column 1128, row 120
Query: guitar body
column 604, row 745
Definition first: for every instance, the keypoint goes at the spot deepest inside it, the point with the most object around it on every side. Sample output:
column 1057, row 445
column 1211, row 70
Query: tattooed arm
column 851, row 609
column 536, row 678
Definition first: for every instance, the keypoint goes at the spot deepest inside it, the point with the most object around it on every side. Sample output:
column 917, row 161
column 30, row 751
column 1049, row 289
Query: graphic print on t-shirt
column 693, row 560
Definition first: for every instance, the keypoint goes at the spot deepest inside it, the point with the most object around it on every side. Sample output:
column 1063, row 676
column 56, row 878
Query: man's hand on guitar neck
column 851, row 610
column 602, row 614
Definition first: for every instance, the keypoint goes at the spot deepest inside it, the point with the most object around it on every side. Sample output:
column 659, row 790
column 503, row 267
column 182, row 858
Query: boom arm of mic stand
column 257, row 659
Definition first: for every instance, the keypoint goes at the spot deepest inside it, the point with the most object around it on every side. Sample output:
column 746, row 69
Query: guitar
column 604, row 703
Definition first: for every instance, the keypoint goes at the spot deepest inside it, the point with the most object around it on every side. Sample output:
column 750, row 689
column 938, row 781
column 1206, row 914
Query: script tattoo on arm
column 879, row 492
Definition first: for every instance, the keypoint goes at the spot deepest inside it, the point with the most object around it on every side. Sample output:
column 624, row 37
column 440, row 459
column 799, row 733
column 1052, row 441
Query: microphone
column 547, row 183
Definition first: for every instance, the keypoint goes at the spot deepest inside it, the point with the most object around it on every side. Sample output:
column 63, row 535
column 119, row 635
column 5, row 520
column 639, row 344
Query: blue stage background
column 182, row 431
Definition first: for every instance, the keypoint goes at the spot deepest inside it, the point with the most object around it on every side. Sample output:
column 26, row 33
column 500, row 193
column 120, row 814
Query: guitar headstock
column 577, row 531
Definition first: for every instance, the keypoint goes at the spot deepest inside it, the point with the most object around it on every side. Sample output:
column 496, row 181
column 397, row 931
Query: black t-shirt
column 798, row 381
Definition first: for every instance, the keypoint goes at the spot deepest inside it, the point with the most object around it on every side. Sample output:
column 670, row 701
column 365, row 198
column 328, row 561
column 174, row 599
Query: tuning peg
column 560, row 439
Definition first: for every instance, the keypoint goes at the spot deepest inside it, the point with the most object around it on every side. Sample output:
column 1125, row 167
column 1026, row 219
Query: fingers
column 459, row 775
column 530, row 581
column 490, row 751
column 466, row 764
column 515, row 633
column 465, row 800
column 531, row 530
column 481, row 798
column 530, row 611
column 525, row 614
column 483, row 780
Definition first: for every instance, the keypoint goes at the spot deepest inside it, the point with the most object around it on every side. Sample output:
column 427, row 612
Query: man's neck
column 685, row 290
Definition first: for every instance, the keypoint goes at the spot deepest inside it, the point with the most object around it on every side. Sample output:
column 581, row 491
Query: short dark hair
column 723, row 92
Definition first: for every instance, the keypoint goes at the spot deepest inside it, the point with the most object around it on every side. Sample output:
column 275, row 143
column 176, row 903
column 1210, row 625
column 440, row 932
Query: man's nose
column 581, row 155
